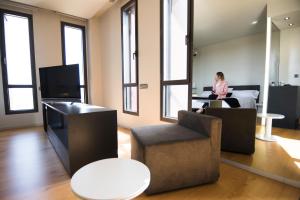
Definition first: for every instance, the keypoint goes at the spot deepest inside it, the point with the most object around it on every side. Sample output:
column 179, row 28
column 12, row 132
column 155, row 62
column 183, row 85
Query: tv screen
column 60, row 82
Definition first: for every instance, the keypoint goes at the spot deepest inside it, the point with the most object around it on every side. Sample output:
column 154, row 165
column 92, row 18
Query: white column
column 267, row 69
column 268, row 132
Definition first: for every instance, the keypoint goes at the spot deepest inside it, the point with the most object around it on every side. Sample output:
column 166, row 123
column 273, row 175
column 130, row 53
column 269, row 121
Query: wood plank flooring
column 280, row 158
column 30, row 169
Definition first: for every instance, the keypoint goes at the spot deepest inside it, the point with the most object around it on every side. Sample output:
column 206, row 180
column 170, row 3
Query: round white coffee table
column 113, row 178
column 267, row 136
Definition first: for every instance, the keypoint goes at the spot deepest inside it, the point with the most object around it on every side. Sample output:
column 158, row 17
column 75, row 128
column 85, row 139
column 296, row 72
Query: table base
column 263, row 137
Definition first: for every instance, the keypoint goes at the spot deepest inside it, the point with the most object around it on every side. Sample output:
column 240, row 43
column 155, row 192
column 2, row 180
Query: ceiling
column 281, row 23
column 219, row 20
column 79, row 8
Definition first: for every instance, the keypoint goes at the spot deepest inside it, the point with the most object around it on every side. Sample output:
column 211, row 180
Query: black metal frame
column 63, row 50
column 189, row 42
column 6, row 86
column 136, row 84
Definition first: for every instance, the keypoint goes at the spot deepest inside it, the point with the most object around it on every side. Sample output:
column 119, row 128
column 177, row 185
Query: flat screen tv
column 60, row 82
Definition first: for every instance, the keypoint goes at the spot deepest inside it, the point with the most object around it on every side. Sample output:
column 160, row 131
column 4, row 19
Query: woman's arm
column 224, row 89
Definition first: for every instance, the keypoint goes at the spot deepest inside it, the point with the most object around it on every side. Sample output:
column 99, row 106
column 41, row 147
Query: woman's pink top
column 220, row 88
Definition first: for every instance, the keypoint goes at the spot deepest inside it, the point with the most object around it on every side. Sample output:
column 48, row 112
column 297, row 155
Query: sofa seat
column 161, row 134
column 177, row 156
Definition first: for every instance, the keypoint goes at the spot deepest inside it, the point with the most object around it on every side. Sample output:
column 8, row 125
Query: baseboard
column 21, row 127
column 263, row 173
column 124, row 126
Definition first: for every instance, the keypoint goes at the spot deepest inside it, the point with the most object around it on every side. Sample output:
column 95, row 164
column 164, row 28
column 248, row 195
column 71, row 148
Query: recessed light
column 254, row 22
column 286, row 18
column 291, row 24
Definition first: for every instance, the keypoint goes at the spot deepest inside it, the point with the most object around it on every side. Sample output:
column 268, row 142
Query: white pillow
column 245, row 93
column 230, row 90
column 205, row 94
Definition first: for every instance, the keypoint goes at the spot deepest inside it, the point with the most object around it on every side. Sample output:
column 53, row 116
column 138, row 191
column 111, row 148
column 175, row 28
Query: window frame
column 6, row 86
column 124, row 8
column 189, row 43
column 63, row 50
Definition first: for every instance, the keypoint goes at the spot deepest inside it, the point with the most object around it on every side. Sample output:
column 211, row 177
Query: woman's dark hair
column 221, row 75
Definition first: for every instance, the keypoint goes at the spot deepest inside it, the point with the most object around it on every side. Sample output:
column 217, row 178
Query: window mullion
column 129, row 44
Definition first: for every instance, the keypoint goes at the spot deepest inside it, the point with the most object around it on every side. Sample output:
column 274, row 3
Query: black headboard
column 240, row 87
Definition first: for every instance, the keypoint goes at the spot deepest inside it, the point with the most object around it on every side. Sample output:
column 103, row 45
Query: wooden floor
column 30, row 169
column 281, row 158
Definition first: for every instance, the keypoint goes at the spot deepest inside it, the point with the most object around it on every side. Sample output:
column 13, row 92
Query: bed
column 246, row 95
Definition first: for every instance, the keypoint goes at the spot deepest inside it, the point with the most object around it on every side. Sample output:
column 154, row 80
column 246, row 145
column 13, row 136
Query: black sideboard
column 285, row 100
column 80, row 133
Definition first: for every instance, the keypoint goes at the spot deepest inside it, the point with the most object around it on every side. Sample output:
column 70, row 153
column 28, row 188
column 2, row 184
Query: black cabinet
column 80, row 133
column 285, row 100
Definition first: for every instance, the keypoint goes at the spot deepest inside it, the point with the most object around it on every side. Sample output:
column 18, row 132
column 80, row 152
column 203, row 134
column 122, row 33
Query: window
column 175, row 48
column 74, row 52
column 18, row 63
column 130, row 58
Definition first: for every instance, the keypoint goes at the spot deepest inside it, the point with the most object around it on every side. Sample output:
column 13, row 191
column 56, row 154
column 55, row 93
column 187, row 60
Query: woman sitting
column 219, row 91
column 220, row 87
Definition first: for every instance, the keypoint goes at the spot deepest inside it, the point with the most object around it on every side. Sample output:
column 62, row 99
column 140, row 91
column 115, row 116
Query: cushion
column 151, row 135
column 245, row 93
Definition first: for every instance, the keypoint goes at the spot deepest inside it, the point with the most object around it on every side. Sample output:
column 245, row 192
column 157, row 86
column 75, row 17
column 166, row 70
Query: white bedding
column 245, row 102
column 246, row 98
column 197, row 103
column 200, row 103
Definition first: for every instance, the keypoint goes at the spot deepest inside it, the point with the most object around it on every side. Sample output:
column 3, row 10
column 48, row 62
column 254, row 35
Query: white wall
column 241, row 60
column 290, row 56
column 149, row 62
column 94, row 61
column 47, row 40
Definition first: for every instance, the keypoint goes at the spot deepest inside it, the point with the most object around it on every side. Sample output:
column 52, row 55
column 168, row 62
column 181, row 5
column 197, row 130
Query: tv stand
column 80, row 133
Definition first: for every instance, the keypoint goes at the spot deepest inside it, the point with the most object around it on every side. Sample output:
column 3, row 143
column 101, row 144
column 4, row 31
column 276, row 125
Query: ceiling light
column 291, row 24
column 286, row 18
column 254, row 22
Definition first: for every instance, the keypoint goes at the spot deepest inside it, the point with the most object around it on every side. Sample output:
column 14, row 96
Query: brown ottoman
column 179, row 155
